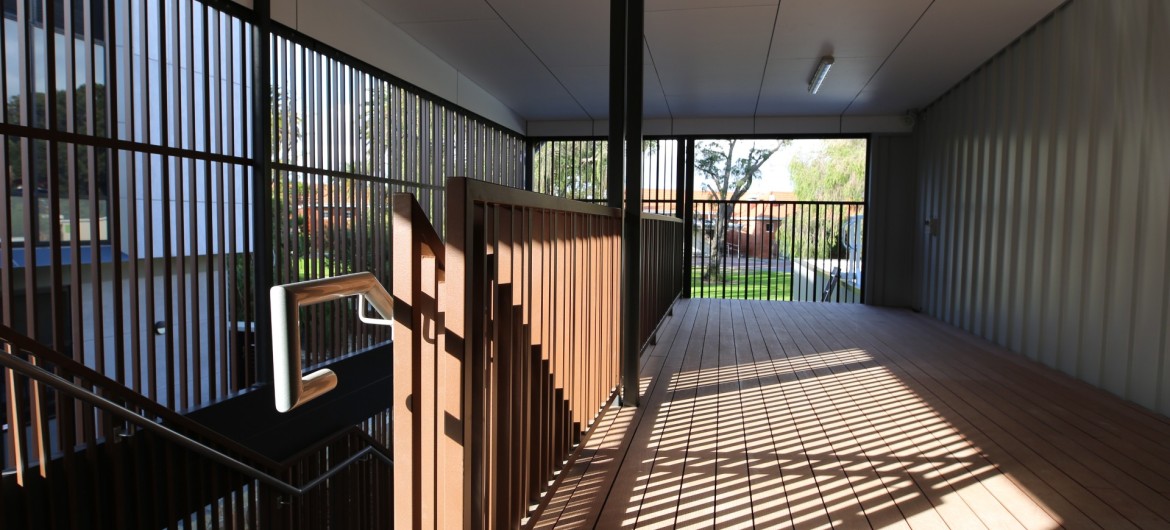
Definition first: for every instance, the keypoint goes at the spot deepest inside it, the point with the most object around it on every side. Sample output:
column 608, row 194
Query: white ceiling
column 548, row 60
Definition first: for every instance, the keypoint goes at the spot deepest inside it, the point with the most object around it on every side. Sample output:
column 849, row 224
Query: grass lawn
column 736, row 284
column 307, row 267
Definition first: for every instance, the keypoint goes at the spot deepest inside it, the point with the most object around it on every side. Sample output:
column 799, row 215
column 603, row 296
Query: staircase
column 505, row 353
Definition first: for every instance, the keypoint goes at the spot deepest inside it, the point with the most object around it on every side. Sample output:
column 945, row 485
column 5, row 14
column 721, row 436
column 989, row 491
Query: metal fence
column 128, row 208
column 91, row 453
column 334, row 171
column 125, row 231
column 577, row 169
column 148, row 201
column 771, row 250
column 768, row 250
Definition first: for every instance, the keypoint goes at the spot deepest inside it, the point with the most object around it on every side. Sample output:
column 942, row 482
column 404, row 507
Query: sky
column 775, row 175
column 775, row 172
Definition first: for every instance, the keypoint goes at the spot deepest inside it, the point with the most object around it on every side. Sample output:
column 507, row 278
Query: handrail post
column 687, row 212
column 427, row 394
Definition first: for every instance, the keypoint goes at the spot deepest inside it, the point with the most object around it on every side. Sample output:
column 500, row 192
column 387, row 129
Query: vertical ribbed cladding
column 1047, row 172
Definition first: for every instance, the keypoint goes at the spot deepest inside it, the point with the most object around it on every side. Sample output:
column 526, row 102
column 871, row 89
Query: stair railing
column 64, row 419
column 65, row 386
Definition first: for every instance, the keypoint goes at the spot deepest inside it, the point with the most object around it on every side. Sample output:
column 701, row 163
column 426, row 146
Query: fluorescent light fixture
column 818, row 76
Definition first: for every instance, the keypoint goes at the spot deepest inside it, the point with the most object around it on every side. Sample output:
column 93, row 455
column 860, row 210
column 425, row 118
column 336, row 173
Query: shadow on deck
column 764, row 414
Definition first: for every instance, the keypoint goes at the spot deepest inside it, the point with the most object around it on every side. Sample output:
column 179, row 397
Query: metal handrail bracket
column 293, row 389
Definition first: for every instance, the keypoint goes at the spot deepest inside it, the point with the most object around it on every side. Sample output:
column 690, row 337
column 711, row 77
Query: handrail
column 292, row 389
column 659, row 217
column 164, row 414
column 63, row 385
column 798, row 203
column 112, row 387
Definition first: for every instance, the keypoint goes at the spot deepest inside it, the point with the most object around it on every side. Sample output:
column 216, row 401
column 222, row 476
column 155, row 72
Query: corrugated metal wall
column 1048, row 172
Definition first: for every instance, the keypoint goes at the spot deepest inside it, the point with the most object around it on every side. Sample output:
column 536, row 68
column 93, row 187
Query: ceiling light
column 818, row 76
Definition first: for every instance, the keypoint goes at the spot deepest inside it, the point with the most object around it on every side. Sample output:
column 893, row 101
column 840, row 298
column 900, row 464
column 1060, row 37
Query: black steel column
column 625, row 143
column 687, row 210
column 262, row 215
column 529, row 154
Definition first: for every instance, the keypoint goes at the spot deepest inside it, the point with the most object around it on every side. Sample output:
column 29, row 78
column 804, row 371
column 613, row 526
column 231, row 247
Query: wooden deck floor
column 765, row 414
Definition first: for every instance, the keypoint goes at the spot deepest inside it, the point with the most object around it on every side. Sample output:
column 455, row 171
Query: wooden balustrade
column 534, row 320
column 663, row 272
column 427, row 389
column 507, row 345
column 506, row 350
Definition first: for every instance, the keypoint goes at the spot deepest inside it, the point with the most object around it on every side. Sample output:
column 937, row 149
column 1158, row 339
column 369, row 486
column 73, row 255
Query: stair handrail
column 166, row 415
column 116, row 389
column 28, row 369
column 292, row 388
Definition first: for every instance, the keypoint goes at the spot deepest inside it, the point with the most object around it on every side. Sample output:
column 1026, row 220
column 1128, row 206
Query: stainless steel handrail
column 65, row 386
column 293, row 389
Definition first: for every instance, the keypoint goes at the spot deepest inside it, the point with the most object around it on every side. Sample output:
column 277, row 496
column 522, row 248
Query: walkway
column 773, row 414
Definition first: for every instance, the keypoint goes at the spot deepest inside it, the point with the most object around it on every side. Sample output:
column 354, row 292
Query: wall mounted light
column 818, row 77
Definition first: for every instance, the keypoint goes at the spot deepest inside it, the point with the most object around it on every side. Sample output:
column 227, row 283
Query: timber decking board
column 813, row 415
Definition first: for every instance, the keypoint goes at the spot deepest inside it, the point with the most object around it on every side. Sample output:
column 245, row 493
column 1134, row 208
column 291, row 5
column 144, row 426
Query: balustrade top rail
column 799, row 203
column 480, row 191
column 660, row 217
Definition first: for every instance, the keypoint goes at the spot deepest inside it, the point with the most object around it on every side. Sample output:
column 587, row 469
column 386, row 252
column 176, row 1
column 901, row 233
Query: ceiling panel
column 400, row 11
column 676, row 5
column 653, row 99
column 710, row 49
column 719, row 58
column 844, row 28
column 786, row 93
column 589, row 84
column 953, row 39
column 714, row 101
column 561, row 32
column 489, row 54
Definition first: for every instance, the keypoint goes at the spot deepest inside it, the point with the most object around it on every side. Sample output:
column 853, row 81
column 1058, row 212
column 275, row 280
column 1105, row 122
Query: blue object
column 43, row 256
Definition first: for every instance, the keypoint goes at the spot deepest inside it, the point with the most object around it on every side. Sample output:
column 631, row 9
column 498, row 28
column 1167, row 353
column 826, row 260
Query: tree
column 574, row 169
column 727, row 176
column 836, row 172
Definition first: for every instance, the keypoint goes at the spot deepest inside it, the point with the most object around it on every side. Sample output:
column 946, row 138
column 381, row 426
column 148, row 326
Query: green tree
column 728, row 174
column 574, row 169
column 836, row 172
